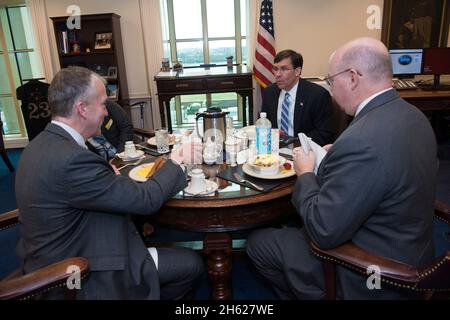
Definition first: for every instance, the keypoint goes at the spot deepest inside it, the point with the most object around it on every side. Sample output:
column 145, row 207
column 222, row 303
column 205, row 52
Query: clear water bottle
column 263, row 134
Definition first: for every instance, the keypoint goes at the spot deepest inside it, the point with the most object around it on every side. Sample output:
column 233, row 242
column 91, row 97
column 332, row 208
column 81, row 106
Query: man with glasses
column 375, row 187
column 296, row 105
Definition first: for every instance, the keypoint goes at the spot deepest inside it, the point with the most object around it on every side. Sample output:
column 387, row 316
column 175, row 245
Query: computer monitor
column 406, row 62
column 436, row 61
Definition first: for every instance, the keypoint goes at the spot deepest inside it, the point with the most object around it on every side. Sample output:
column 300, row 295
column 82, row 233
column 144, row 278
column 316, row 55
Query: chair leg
column 7, row 161
column 330, row 280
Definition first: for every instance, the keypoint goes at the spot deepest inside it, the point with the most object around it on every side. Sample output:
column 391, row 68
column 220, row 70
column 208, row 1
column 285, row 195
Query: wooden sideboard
column 427, row 100
column 200, row 80
column 434, row 104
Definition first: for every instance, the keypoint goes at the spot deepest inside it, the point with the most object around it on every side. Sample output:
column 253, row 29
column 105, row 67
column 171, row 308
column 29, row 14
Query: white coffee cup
column 130, row 149
column 198, row 182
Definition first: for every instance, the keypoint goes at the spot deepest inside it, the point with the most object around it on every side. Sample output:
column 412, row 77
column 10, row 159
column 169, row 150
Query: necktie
column 285, row 113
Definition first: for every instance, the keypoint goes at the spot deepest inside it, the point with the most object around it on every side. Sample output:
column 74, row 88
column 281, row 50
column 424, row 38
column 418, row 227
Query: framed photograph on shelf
column 413, row 24
column 112, row 73
column 103, row 40
column 112, row 91
column 100, row 68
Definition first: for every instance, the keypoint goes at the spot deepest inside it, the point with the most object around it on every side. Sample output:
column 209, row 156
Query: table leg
column 217, row 247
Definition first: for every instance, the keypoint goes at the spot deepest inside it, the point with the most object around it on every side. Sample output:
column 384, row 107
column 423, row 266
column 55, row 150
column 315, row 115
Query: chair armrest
column 9, row 219
column 143, row 132
column 42, row 280
column 442, row 211
column 353, row 257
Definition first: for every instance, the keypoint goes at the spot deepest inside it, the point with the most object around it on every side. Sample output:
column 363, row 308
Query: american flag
column 265, row 46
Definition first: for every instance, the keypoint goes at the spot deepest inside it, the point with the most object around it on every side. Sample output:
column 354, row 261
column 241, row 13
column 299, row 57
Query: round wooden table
column 232, row 208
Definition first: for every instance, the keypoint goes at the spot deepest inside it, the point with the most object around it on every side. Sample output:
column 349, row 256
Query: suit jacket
column 72, row 204
column 313, row 110
column 375, row 187
column 117, row 127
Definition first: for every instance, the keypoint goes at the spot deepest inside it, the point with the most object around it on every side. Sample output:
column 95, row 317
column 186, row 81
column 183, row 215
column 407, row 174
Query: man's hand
column 303, row 162
column 194, row 153
column 177, row 155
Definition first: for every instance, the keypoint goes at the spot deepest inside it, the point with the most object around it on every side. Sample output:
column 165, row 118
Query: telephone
column 404, row 84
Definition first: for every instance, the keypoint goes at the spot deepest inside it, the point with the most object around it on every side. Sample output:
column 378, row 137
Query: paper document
column 308, row 144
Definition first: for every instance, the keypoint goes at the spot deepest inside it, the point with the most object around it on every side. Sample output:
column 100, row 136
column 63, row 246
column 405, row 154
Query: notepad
column 309, row 145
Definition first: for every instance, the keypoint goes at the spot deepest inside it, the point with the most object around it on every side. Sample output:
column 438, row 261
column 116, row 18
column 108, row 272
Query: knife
column 149, row 151
column 287, row 156
column 242, row 180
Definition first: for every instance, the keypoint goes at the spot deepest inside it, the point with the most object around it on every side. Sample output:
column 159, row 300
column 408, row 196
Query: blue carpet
column 7, row 183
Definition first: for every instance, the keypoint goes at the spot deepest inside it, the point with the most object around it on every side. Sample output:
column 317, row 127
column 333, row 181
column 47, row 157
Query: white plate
column 211, row 187
column 176, row 137
column 133, row 174
column 280, row 175
column 139, row 154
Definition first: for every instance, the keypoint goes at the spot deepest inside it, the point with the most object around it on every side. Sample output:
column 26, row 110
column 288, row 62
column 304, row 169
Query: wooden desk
column 427, row 100
column 432, row 103
column 198, row 80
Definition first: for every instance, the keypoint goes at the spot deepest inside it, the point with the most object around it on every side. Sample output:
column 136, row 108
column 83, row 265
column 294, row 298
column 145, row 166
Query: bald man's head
column 369, row 56
column 359, row 69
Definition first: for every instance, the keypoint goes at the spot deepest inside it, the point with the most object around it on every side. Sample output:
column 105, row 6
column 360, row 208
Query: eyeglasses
column 283, row 69
column 329, row 79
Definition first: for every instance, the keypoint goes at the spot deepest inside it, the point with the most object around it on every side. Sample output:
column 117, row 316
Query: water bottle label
column 263, row 140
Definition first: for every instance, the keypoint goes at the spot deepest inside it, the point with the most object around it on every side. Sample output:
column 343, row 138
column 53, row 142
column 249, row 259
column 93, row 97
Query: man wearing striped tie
column 296, row 105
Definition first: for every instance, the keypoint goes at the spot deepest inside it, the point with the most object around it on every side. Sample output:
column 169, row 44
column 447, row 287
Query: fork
column 242, row 180
column 131, row 164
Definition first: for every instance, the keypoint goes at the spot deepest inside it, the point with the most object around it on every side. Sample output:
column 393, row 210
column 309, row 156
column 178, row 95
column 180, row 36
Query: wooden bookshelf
column 97, row 45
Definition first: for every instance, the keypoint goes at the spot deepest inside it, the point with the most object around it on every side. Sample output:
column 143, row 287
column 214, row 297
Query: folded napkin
column 308, row 144
column 264, row 183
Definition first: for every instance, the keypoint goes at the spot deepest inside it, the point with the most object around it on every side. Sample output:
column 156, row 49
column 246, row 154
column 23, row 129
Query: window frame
column 6, row 55
column 169, row 23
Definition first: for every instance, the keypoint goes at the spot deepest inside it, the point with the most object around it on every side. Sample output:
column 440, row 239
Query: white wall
column 131, row 36
column 315, row 28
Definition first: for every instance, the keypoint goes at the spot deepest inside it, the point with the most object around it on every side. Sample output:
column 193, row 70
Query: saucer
column 138, row 154
column 211, row 187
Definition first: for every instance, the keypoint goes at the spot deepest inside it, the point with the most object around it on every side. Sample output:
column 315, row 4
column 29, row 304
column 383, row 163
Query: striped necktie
column 285, row 113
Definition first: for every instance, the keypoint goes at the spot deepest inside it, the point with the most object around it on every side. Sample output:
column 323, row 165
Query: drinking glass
column 162, row 140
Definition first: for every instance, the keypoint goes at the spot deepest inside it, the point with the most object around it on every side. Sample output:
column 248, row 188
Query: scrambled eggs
column 266, row 160
column 143, row 172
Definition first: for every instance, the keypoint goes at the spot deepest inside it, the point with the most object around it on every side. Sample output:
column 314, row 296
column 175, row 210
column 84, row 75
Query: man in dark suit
column 375, row 187
column 115, row 131
column 72, row 204
column 296, row 105
column 117, row 127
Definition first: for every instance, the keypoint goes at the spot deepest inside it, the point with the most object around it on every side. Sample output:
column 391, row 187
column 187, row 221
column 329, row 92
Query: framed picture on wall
column 415, row 23
column 103, row 40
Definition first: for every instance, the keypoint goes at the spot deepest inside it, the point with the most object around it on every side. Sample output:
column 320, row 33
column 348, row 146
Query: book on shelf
column 64, row 42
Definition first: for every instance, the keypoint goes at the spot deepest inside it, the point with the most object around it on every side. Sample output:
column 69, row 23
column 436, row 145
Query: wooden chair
column 29, row 286
column 3, row 150
column 431, row 281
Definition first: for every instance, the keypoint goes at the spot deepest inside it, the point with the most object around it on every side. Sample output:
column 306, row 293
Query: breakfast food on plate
column 287, row 166
column 266, row 160
column 145, row 170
